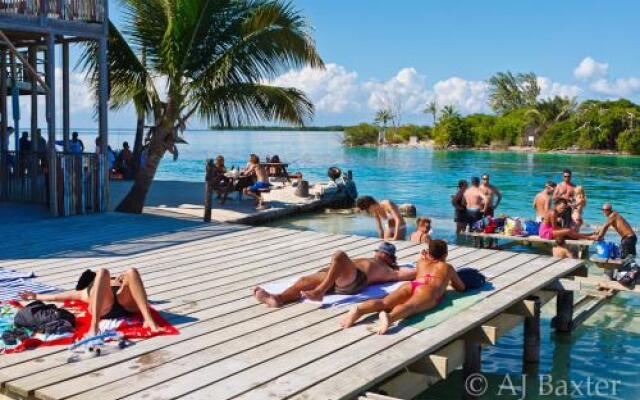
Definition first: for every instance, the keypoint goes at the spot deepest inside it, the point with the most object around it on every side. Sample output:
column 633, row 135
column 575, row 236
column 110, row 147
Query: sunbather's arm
column 404, row 274
column 456, row 282
column 63, row 296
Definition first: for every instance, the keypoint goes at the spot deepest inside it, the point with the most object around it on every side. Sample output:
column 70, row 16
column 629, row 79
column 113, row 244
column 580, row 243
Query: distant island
column 332, row 128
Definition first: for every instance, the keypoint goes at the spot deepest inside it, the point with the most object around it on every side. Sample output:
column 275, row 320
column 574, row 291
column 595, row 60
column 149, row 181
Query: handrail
column 67, row 10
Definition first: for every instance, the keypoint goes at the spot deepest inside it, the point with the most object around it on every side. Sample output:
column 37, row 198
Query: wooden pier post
column 563, row 321
column 66, row 127
column 51, row 125
column 472, row 363
column 208, row 189
column 531, row 351
column 4, row 123
column 33, row 165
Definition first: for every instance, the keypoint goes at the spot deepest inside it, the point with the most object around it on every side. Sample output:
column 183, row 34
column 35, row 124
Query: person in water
column 578, row 206
column 423, row 231
column 492, row 196
column 566, row 190
column 262, row 180
column 423, row 293
column 542, row 201
column 460, row 207
column 628, row 238
column 344, row 275
column 561, row 250
column 550, row 228
column 108, row 297
column 475, row 200
column 385, row 210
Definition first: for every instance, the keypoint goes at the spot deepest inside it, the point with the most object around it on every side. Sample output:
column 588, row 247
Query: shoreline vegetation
column 521, row 122
column 330, row 128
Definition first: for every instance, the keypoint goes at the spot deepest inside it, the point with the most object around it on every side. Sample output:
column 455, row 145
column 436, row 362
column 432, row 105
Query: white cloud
column 620, row 87
column 548, row 88
column 591, row 69
column 466, row 96
column 333, row 89
column 407, row 90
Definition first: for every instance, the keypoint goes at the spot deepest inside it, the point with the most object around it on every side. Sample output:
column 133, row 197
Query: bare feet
column 352, row 316
column 153, row 327
column 265, row 297
column 313, row 295
column 384, row 322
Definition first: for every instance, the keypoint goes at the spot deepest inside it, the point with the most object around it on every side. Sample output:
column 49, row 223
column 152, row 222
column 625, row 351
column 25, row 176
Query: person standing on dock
column 385, row 210
column 566, row 190
column 460, row 207
column 628, row 240
column 542, row 201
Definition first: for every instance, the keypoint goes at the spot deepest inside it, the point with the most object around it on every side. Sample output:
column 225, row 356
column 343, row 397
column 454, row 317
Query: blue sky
column 404, row 53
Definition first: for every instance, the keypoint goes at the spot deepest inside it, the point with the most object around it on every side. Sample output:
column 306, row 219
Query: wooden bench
column 582, row 245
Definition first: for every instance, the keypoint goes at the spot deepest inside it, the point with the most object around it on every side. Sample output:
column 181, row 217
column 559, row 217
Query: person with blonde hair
column 580, row 202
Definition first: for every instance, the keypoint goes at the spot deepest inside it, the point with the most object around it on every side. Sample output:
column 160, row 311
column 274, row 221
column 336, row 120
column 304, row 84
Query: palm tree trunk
column 137, row 144
column 134, row 200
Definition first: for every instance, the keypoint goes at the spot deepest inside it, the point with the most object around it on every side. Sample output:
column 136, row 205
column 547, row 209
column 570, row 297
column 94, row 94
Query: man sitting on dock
column 542, row 201
column 424, row 293
column 262, row 180
column 344, row 276
column 629, row 240
column 385, row 210
column 550, row 228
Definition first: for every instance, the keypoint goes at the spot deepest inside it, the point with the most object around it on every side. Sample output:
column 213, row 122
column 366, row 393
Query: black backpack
column 46, row 318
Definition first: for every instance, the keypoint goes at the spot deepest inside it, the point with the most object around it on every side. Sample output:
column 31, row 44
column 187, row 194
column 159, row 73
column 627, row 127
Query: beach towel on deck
column 335, row 300
column 14, row 282
column 452, row 304
column 130, row 327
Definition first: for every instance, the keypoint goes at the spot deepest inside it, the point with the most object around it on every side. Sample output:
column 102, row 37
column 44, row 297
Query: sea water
column 605, row 349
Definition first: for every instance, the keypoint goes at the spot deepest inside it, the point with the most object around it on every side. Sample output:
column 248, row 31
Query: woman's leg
column 571, row 234
column 423, row 299
column 399, row 296
column 100, row 299
column 133, row 297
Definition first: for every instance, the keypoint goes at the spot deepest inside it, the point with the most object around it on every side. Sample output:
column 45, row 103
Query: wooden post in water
column 33, row 165
column 531, row 353
column 472, row 365
column 4, row 140
column 208, row 189
column 563, row 321
column 51, row 125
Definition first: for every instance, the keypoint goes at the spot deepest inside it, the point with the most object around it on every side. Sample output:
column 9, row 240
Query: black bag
column 46, row 318
column 472, row 278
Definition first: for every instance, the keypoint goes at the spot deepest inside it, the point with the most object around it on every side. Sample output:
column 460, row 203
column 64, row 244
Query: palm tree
column 448, row 112
column 432, row 108
column 509, row 91
column 214, row 57
column 382, row 117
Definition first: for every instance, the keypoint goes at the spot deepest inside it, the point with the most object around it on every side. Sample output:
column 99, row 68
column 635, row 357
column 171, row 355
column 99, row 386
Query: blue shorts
column 258, row 186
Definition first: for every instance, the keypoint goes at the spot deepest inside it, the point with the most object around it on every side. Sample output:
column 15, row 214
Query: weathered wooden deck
column 201, row 276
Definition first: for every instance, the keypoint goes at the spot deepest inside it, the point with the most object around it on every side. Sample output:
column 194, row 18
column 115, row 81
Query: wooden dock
column 201, row 275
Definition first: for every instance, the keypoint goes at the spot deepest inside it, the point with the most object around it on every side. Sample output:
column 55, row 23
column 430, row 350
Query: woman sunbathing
column 107, row 297
column 424, row 293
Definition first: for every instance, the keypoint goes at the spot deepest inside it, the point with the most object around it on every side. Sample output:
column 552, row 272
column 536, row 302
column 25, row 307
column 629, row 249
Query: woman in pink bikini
column 550, row 228
column 433, row 277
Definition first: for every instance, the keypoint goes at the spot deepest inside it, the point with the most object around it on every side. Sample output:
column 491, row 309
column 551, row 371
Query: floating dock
column 200, row 276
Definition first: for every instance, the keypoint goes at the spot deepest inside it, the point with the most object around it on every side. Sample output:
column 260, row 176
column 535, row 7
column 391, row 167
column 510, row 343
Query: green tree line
column 521, row 118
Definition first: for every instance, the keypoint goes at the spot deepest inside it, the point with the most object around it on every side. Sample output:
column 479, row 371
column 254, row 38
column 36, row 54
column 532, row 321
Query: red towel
column 130, row 327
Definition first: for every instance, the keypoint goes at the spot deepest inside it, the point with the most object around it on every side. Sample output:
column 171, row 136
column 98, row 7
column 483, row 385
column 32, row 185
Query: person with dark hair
column 75, row 144
column 542, row 201
column 475, row 200
column 566, row 190
column 262, row 180
column 561, row 250
column 628, row 240
column 460, row 207
column 344, row 275
column 550, row 229
column 433, row 276
column 492, row 196
column 108, row 297
column 24, row 144
column 423, row 231
column 385, row 210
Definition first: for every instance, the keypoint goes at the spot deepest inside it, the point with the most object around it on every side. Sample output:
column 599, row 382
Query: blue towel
column 14, row 282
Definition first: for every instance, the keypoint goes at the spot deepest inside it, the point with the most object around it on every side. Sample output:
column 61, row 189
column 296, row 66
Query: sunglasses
column 567, row 176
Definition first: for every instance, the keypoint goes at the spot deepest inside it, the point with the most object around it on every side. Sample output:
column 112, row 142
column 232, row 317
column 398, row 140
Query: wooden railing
column 68, row 10
column 79, row 187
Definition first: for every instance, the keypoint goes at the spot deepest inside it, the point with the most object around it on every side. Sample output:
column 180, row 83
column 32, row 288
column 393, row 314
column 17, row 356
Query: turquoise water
column 606, row 347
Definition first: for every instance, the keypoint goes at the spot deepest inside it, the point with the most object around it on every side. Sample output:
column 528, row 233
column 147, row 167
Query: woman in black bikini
column 107, row 297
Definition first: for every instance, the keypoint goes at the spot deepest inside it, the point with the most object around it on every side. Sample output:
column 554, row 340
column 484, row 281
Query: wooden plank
column 605, row 283
column 352, row 379
column 531, row 239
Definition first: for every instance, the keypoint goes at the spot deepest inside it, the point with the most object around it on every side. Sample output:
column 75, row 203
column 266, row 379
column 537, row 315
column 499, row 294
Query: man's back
column 473, row 197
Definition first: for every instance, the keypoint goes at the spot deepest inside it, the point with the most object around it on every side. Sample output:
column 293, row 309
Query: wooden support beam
column 404, row 386
column 51, row 124
column 33, row 127
column 4, row 123
column 531, row 351
column 65, row 96
column 447, row 359
column 24, row 61
column 103, row 128
column 563, row 321
column 565, row 284
column 605, row 283
column 590, row 305
column 472, row 362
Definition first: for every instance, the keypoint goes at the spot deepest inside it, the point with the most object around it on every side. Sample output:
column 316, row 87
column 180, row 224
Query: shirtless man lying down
column 343, row 276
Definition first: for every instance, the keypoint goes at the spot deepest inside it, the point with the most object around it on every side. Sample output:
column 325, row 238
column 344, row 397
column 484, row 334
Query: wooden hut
column 31, row 31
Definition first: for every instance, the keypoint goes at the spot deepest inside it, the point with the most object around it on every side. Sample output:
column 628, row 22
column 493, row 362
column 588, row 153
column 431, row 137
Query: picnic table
column 582, row 245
